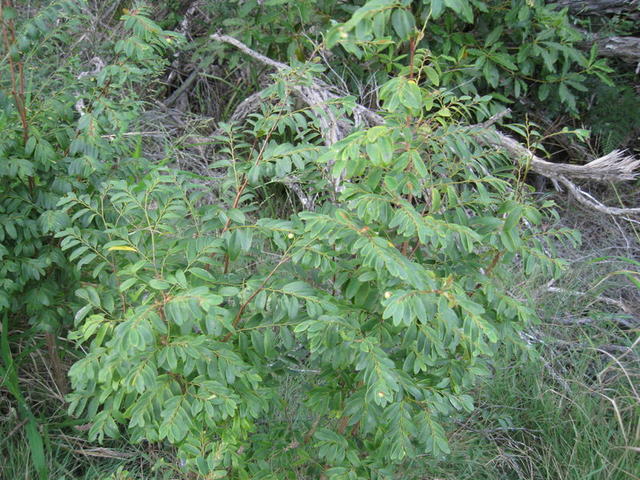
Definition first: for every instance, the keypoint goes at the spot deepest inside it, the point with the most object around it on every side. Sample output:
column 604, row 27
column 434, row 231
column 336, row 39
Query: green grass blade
column 10, row 376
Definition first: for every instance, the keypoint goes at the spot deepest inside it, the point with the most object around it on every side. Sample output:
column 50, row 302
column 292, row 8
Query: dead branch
column 622, row 322
column 183, row 87
column 307, row 201
column 590, row 202
column 613, row 167
column 252, row 53
column 317, row 95
column 600, row 298
column 625, row 48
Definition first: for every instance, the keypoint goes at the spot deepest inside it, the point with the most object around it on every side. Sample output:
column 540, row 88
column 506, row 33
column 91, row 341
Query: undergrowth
column 543, row 418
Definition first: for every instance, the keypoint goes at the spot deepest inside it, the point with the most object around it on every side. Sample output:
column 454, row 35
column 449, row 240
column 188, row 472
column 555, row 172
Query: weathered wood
column 624, row 48
column 630, row 8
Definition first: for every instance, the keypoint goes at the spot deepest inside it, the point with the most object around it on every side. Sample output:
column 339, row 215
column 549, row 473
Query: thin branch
column 496, row 118
column 252, row 53
column 589, row 201
column 600, row 298
column 238, row 318
column 182, row 89
column 622, row 322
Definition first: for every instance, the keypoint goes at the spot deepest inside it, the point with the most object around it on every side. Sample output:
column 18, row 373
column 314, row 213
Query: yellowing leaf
column 122, row 248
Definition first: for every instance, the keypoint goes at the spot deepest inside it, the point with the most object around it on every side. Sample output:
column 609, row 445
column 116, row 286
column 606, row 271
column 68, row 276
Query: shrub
column 369, row 316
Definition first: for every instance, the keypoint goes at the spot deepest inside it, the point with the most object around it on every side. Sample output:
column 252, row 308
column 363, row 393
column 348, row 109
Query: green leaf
column 159, row 284
column 53, row 221
column 432, row 75
column 491, row 73
column 201, row 274
column 236, row 215
column 566, row 96
column 403, row 23
column 543, row 91
column 411, row 96
column 437, row 7
column 462, row 8
column 634, row 278
column 504, row 60
column 9, row 14
column 493, row 36
column 82, row 313
column 513, row 218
